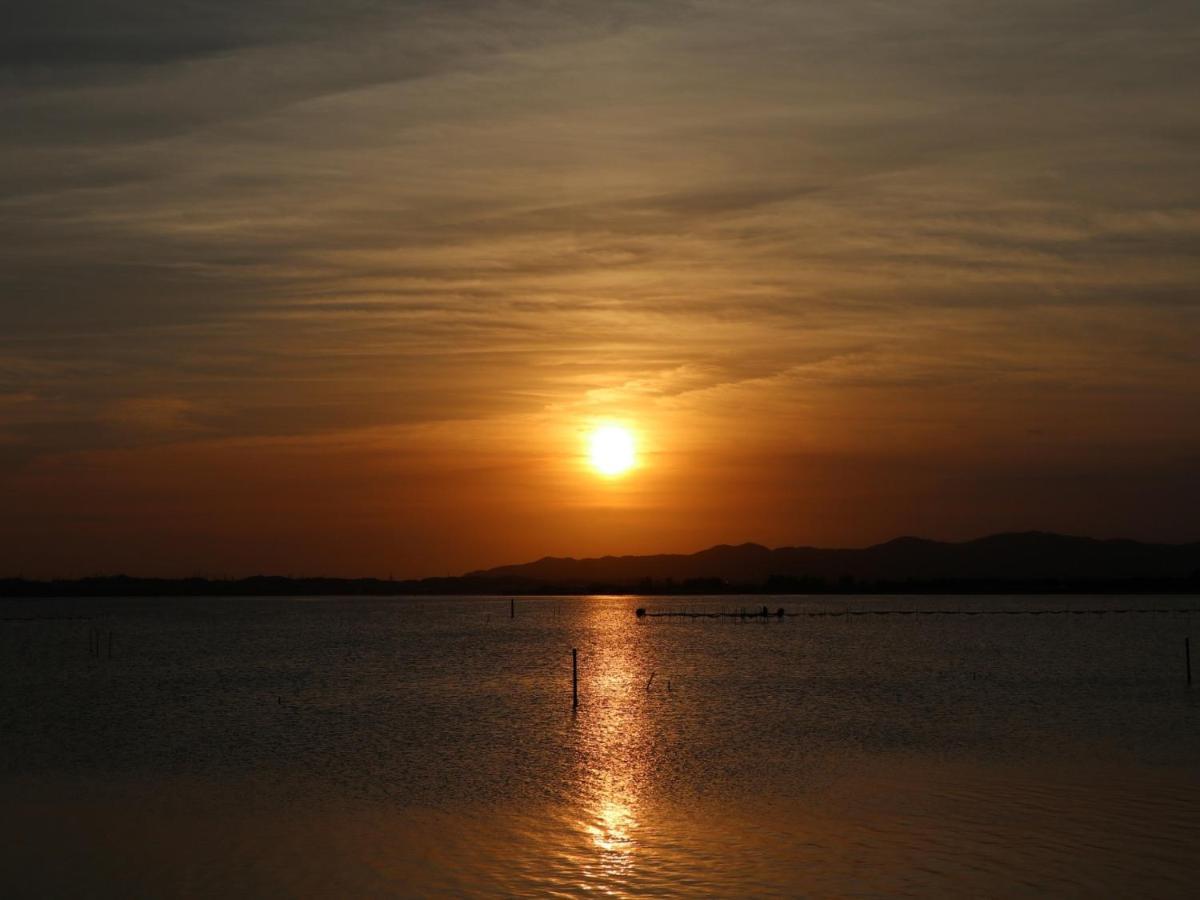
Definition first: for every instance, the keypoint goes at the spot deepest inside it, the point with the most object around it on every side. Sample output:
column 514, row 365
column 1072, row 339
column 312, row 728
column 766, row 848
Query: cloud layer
column 781, row 237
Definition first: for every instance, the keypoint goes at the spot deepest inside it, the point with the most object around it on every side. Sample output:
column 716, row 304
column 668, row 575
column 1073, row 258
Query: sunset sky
column 312, row 287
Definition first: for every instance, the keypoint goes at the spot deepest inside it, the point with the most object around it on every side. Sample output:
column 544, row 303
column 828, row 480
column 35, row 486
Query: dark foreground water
column 421, row 747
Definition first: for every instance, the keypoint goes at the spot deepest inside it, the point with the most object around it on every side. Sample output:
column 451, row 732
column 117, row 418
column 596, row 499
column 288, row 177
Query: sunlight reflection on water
column 612, row 760
column 399, row 748
column 612, row 829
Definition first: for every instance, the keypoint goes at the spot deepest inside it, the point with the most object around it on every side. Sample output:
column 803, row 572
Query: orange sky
column 294, row 290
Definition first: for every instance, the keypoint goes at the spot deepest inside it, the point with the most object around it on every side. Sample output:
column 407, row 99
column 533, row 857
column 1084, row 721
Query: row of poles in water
column 641, row 613
column 96, row 642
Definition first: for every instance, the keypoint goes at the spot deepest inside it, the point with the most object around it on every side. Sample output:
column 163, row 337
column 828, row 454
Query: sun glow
column 611, row 450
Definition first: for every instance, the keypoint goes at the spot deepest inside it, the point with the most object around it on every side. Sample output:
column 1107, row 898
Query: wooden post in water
column 1187, row 656
column 512, row 607
column 110, row 645
column 574, row 678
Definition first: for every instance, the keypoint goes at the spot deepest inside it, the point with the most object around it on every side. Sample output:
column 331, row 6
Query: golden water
column 366, row 747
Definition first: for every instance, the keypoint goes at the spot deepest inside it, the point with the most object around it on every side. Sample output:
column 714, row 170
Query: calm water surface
column 427, row 747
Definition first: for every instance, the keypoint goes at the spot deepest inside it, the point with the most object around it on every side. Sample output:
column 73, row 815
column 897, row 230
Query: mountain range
column 1027, row 562
column 1023, row 556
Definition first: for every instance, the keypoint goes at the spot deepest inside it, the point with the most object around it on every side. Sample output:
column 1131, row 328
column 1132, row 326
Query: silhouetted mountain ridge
column 1016, row 556
column 1026, row 562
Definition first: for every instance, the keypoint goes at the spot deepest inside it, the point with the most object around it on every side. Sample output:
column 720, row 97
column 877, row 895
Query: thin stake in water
column 1187, row 656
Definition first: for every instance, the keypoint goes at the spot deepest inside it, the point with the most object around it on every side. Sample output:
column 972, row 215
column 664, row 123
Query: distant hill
column 1024, row 556
column 1030, row 562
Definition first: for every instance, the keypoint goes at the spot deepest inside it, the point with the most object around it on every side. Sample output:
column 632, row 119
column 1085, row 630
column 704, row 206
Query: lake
column 355, row 747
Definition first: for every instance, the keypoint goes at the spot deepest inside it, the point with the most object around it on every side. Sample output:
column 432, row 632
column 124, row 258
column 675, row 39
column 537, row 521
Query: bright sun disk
column 610, row 450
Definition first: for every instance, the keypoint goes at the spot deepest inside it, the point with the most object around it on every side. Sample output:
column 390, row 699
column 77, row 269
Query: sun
column 611, row 450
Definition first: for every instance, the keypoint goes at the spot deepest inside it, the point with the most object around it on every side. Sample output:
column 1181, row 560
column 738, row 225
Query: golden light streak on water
column 428, row 748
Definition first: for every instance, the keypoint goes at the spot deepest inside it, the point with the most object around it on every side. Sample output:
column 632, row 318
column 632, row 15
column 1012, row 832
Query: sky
column 302, row 287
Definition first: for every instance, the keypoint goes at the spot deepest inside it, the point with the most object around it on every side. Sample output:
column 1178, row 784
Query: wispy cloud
column 285, row 217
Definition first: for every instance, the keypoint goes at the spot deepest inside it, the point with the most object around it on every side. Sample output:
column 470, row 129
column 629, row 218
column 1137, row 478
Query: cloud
column 292, row 218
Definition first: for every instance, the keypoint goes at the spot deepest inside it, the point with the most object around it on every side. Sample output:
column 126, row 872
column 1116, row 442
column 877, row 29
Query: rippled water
column 418, row 747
